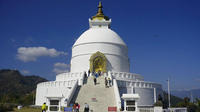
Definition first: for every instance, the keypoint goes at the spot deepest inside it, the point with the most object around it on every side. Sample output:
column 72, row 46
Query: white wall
column 143, row 88
column 146, row 96
column 53, row 88
column 117, row 56
column 71, row 76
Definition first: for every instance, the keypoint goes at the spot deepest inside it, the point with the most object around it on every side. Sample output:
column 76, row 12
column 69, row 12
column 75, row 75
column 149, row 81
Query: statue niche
column 98, row 62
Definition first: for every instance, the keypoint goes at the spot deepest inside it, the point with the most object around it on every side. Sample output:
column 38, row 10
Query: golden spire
column 100, row 14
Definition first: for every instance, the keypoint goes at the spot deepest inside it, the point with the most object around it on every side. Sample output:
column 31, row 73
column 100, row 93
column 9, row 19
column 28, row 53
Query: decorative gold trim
column 100, row 14
column 98, row 55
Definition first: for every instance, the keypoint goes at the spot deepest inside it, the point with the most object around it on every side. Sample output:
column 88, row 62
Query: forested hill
column 14, row 86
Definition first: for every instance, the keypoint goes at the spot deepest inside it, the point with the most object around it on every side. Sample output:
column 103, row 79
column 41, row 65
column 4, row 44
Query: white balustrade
column 71, row 76
column 126, row 76
column 57, row 83
column 117, row 96
column 146, row 109
column 138, row 84
column 71, row 94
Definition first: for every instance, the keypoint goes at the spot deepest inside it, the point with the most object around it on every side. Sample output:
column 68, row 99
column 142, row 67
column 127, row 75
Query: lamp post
column 168, row 93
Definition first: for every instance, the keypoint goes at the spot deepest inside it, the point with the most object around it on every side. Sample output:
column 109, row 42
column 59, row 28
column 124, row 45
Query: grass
column 28, row 109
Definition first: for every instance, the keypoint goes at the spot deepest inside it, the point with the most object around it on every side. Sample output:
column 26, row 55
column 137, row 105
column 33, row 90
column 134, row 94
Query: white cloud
column 61, row 68
column 27, row 54
column 58, row 70
column 62, row 65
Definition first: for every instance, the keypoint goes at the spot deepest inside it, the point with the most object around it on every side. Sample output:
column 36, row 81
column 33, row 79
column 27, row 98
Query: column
column 154, row 95
column 136, row 109
column 59, row 104
column 48, row 104
column 125, row 105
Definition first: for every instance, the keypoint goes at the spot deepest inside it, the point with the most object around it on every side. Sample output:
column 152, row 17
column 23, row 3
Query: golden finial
column 100, row 14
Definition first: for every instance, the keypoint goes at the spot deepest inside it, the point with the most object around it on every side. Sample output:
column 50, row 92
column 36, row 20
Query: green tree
column 160, row 101
column 191, row 107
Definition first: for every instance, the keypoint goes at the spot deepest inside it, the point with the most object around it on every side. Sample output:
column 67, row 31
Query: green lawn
column 27, row 109
column 30, row 109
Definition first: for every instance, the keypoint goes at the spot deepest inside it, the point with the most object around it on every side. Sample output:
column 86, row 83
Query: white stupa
column 99, row 49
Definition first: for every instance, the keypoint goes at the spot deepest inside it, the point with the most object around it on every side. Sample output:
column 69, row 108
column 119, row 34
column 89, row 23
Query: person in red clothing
column 74, row 107
column 77, row 107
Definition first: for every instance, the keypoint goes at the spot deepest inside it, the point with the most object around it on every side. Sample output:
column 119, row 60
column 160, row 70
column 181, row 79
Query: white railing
column 140, row 84
column 68, row 83
column 155, row 109
column 117, row 96
column 176, row 110
column 71, row 76
column 126, row 76
column 81, row 79
column 71, row 93
column 146, row 109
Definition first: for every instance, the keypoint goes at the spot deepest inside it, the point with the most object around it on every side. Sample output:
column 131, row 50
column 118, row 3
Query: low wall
column 126, row 76
column 117, row 96
column 137, row 84
column 54, row 89
column 145, row 90
column 71, row 76
column 71, row 93
column 67, row 83
column 146, row 109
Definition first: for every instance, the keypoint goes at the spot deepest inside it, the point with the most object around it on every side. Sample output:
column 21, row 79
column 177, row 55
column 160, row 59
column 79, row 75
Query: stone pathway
column 97, row 96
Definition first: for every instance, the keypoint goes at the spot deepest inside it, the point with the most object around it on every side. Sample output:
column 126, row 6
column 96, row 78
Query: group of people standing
column 76, row 107
column 93, row 73
column 108, row 82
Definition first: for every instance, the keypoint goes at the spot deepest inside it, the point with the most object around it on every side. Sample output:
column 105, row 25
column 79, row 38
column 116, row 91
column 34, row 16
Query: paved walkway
column 97, row 96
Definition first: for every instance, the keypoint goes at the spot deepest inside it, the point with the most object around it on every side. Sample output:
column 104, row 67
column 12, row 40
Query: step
column 97, row 96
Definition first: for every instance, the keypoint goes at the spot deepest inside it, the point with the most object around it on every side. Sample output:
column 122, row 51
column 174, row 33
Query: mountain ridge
column 17, row 88
column 192, row 93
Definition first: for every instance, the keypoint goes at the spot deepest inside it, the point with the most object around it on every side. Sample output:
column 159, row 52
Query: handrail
column 117, row 96
column 72, row 93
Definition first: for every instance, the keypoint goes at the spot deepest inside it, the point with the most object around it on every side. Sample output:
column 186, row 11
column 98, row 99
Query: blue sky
column 163, row 36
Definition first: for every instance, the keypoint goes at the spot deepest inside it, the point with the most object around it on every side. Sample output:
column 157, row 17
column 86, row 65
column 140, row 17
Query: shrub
column 6, row 107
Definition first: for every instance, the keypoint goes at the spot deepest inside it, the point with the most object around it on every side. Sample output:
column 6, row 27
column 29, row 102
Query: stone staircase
column 97, row 96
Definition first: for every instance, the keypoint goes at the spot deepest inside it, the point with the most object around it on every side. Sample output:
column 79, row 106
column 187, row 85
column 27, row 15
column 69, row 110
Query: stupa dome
column 99, row 41
column 99, row 35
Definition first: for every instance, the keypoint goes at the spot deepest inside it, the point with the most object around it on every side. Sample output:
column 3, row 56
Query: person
column 95, row 80
column 96, row 74
column 86, row 109
column 44, row 108
column 85, row 74
column 88, row 72
column 109, row 81
column 106, row 82
column 99, row 73
column 74, row 107
column 92, row 73
column 77, row 107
